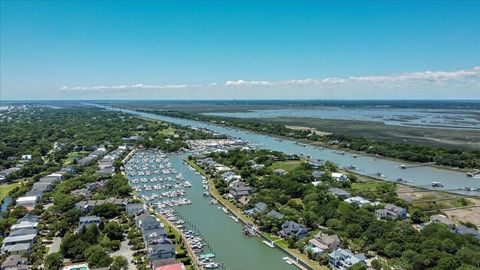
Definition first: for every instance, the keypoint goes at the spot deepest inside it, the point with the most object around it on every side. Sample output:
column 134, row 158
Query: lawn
column 365, row 186
column 72, row 155
column 6, row 188
column 170, row 131
column 287, row 165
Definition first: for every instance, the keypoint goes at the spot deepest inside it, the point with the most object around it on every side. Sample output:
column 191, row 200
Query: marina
column 201, row 219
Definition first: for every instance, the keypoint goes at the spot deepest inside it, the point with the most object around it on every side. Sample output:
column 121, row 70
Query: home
column 134, row 209
column 27, row 222
column 258, row 208
column 27, row 202
column 15, row 262
column 358, row 201
column 443, row 220
column 322, row 242
column 244, row 200
column 173, row 266
column 339, row 193
column 279, row 172
column 341, row 177
column 18, row 244
column 462, row 230
column 391, row 211
column 276, row 215
column 344, row 259
column 230, row 177
column 162, row 249
column 239, row 189
column 87, row 220
column 294, row 230
column 318, row 174
column 26, row 157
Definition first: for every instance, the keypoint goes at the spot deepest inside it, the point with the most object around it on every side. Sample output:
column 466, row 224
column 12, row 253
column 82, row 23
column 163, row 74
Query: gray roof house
column 275, row 214
column 134, row 209
column 87, row 220
column 238, row 190
column 161, row 250
column 462, row 229
column 294, row 230
column 15, row 262
column 339, row 193
column 391, row 211
column 18, row 244
column 344, row 259
column 279, row 172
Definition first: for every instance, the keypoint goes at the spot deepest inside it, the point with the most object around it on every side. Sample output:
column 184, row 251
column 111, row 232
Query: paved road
column 126, row 252
column 55, row 247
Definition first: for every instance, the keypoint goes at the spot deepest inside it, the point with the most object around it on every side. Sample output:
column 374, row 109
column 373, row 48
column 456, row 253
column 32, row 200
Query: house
column 258, row 208
column 318, row 174
column 134, row 209
column 294, row 230
column 18, row 244
column 443, row 220
column 244, row 200
column 173, row 266
column 358, row 201
column 279, row 172
column 276, row 215
column 27, row 222
column 462, row 230
column 15, row 262
column 339, row 193
column 322, row 242
column 391, row 211
column 344, row 259
column 26, row 157
column 341, row 177
column 87, row 220
column 239, row 189
column 27, row 202
column 162, row 249
column 230, row 177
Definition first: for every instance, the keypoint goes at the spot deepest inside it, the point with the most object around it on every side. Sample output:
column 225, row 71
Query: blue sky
column 205, row 50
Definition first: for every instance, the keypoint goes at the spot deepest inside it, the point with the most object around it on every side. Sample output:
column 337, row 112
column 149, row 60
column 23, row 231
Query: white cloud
column 469, row 77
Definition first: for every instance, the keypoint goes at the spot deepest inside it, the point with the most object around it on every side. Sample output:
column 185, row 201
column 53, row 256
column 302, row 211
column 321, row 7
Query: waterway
column 223, row 235
column 367, row 165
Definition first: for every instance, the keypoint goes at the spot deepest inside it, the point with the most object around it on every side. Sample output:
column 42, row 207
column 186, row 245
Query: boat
column 437, row 184
column 224, row 209
column 268, row 243
column 234, row 218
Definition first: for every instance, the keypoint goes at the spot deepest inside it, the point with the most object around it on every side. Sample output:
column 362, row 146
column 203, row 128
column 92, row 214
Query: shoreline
column 298, row 262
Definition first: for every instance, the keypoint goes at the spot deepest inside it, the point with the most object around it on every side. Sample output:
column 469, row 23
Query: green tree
column 54, row 261
column 113, row 230
column 97, row 257
column 119, row 263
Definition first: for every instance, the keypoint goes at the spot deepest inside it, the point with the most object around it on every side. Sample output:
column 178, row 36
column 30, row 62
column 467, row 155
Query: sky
column 239, row 50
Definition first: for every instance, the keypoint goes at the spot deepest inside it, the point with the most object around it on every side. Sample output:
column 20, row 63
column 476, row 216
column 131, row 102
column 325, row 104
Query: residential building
column 15, row 262
column 341, row 259
column 391, row 211
column 341, row 177
column 339, row 193
column 275, row 214
column 87, row 220
column 322, row 242
column 134, row 209
column 239, row 189
column 294, row 230
column 279, row 172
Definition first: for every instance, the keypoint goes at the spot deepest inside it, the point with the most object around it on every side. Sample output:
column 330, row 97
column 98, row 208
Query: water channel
column 222, row 234
column 421, row 176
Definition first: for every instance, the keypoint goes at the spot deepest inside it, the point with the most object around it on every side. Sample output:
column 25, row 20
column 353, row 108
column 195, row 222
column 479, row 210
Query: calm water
column 445, row 118
column 367, row 165
column 225, row 237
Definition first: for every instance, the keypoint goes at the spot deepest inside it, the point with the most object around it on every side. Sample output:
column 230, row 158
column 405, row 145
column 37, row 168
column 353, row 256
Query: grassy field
column 288, row 165
column 167, row 132
column 6, row 188
column 72, row 155
column 448, row 138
